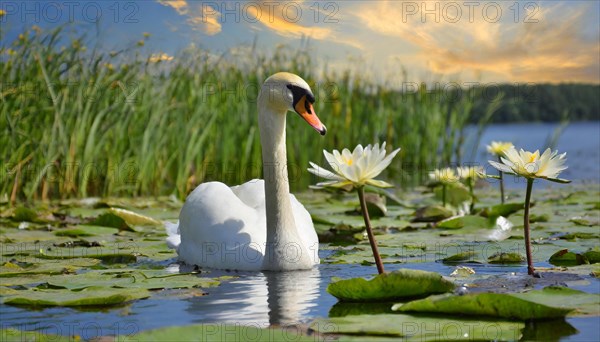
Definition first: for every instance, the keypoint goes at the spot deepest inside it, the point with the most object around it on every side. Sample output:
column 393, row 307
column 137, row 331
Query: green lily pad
column 593, row 256
column 565, row 298
column 220, row 332
column 580, row 221
column 73, row 233
column 387, row 286
column 566, row 258
column 91, row 296
column 112, row 220
column 130, row 279
column 432, row 213
column 133, row 218
column 458, row 222
column 455, row 194
column 500, row 305
column 502, row 210
column 420, row 328
column 24, row 214
column 460, row 257
column 506, row 258
column 11, row 334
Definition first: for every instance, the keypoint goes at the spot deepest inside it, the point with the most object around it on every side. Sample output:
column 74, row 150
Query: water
column 255, row 299
column 581, row 141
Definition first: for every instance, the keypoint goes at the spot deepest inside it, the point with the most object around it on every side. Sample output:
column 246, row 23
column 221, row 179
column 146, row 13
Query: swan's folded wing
column 173, row 239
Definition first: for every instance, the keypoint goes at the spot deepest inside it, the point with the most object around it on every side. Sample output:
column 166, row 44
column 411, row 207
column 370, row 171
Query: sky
column 470, row 41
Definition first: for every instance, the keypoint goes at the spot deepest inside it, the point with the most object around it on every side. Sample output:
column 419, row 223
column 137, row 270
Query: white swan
column 258, row 225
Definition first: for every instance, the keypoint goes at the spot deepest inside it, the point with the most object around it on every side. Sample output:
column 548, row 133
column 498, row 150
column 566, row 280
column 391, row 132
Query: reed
column 79, row 123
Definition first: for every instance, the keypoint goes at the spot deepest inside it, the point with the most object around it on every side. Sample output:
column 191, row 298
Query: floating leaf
column 375, row 205
column 112, row 220
column 566, row 258
column 502, row 210
column 565, row 298
column 580, row 221
column 460, row 257
column 220, row 332
column 398, row 284
column 133, row 218
column 91, row 296
column 455, row 194
column 500, row 305
column 458, row 222
column 24, row 214
column 432, row 213
column 11, row 334
column 72, row 233
column 420, row 328
column 593, row 256
column 506, row 258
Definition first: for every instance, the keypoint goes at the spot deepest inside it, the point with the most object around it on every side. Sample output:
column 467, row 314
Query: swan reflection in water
column 260, row 298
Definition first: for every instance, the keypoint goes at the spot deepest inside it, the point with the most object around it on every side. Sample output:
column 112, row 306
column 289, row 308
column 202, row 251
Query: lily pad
column 566, row 258
column 458, row 222
column 506, row 258
column 420, row 328
column 500, row 305
column 460, row 257
column 502, row 210
column 432, row 213
column 91, row 296
column 133, row 218
column 220, row 332
column 112, row 220
column 402, row 283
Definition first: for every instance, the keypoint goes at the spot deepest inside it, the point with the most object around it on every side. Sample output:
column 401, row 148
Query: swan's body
column 258, row 225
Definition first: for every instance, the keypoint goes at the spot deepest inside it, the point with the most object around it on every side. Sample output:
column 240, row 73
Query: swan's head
column 284, row 91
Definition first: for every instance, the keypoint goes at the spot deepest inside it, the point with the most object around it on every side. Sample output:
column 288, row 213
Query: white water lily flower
column 499, row 148
column 533, row 165
column 356, row 168
column 445, row 176
column 470, row 173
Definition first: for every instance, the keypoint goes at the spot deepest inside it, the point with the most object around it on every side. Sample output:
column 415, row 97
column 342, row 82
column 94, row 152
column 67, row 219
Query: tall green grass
column 78, row 122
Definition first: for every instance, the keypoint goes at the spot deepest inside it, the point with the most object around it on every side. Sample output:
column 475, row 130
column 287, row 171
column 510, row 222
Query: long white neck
column 284, row 250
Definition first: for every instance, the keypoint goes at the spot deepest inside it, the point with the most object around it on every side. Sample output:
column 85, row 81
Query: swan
column 257, row 225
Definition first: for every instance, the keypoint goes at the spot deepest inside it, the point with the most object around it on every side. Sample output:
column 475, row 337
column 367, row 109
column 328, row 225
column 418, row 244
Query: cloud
column 549, row 48
column 180, row 6
column 283, row 18
column 200, row 16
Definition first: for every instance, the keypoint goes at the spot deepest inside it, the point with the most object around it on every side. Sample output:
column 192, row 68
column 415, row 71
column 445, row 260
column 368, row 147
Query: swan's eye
column 298, row 93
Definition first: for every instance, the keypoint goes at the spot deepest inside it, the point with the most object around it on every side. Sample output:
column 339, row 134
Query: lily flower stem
column 365, row 212
column 444, row 195
column 472, row 196
column 530, row 268
column 501, row 183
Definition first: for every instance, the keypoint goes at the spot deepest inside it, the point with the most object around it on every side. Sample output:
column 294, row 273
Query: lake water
column 581, row 141
column 255, row 299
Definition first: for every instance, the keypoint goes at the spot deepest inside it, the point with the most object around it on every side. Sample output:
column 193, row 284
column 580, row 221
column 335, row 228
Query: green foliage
column 397, row 284
column 502, row 305
column 78, row 124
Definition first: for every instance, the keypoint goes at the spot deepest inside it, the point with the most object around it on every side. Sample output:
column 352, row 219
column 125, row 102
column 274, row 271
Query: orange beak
column 307, row 112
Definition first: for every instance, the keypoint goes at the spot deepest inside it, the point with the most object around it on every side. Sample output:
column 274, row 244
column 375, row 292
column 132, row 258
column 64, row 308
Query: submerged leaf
column 398, row 284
